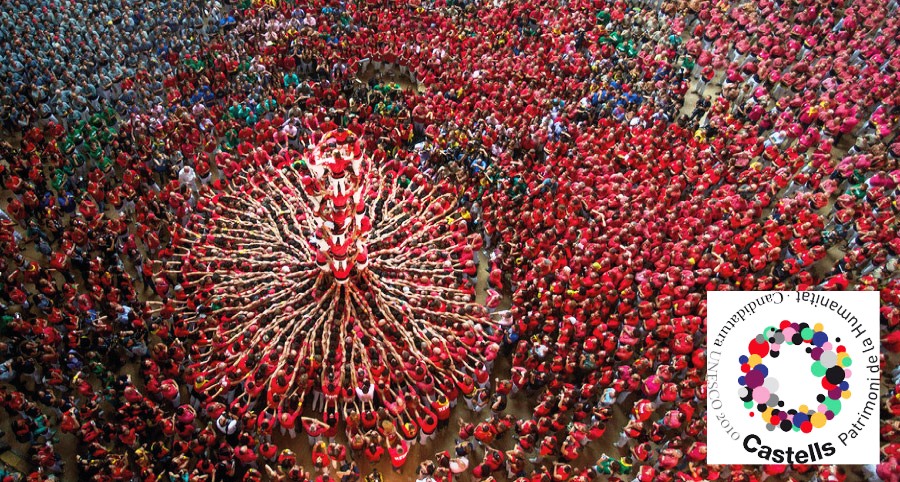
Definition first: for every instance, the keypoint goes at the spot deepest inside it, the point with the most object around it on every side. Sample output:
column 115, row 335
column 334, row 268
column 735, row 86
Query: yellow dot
column 818, row 420
column 754, row 360
column 845, row 394
column 767, row 414
column 802, row 409
column 818, row 327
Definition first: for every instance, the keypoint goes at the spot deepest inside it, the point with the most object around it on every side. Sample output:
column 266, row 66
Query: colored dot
column 806, row 427
column 846, row 362
column 784, row 324
column 818, row 420
column 841, row 349
column 754, row 360
column 819, row 338
column 834, row 406
column 807, row 333
column 785, row 425
column 845, row 394
column 760, row 394
column 753, row 379
column 743, row 359
column 829, row 415
column 748, row 405
column 758, row 347
column 828, row 359
column 802, row 409
column 817, row 369
column 818, row 327
column 834, row 375
column 751, row 413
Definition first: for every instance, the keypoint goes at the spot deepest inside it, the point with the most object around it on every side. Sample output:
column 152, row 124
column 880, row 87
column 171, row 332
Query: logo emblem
column 793, row 377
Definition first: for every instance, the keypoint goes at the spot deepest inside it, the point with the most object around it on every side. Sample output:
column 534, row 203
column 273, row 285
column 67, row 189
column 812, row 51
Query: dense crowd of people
column 602, row 207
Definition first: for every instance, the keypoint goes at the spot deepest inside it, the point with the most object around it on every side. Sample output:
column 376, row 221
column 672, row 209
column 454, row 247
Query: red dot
column 745, row 368
column 784, row 324
column 752, row 414
column 806, row 427
column 827, row 385
column 841, row 349
column 761, row 349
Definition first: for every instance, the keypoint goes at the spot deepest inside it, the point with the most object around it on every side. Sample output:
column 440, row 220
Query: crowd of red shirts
column 609, row 212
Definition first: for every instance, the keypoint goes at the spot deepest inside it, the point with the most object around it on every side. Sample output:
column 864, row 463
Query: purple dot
column 829, row 415
column 834, row 393
column 816, row 353
column 754, row 378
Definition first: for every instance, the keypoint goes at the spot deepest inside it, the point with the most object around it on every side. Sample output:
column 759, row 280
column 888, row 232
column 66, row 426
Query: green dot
column 807, row 333
column 748, row 404
column 846, row 362
column 796, row 428
column 833, row 405
column 817, row 369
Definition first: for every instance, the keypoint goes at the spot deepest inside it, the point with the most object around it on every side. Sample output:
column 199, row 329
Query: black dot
column 780, row 404
column 774, row 354
column 761, row 407
column 797, row 339
column 838, row 339
column 803, row 325
column 834, row 375
column 772, row 340
column 808, row 350
column 786, row 425
column 775, row 411
column 820, row 398
column 792, row 412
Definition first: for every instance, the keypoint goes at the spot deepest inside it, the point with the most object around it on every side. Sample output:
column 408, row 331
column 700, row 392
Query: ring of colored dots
column 759, row 388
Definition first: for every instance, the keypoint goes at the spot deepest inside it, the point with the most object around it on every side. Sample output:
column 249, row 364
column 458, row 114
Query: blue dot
column 743, row 359
column 844, row 386
column 762, row 368
column 820, row 338
column 741, row 380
